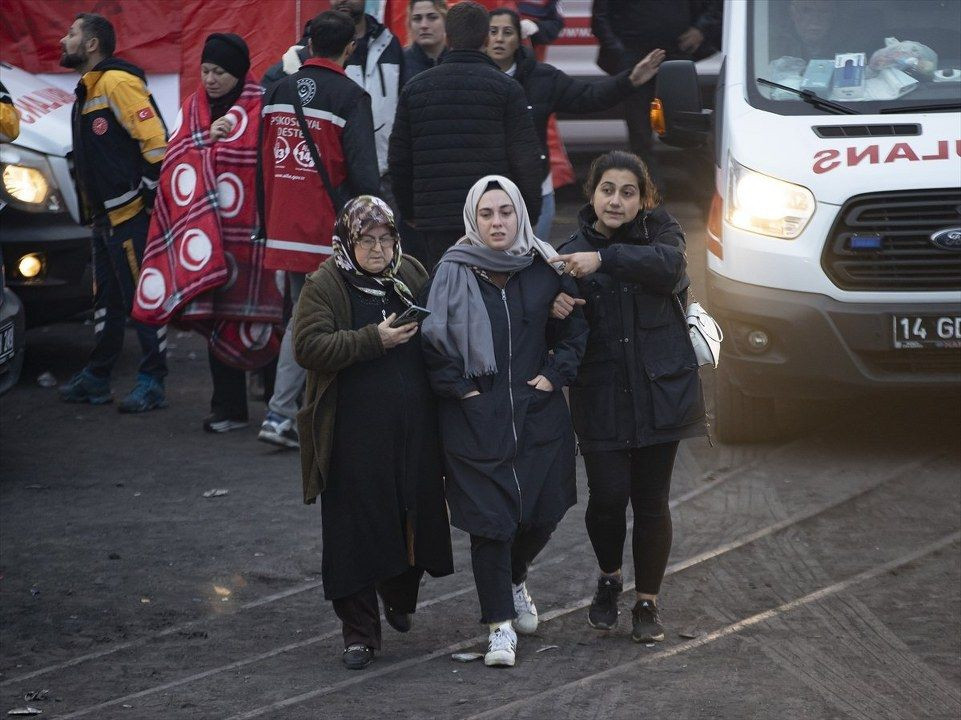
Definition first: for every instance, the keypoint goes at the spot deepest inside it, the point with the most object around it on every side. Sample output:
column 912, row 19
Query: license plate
column 927, row 331
column 6, row 342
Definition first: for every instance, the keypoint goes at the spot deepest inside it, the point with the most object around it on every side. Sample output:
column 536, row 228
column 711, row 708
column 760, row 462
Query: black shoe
column 357, row 657
column 401, row 622
column 219, row 423
column 647, row 623
column 603, row 613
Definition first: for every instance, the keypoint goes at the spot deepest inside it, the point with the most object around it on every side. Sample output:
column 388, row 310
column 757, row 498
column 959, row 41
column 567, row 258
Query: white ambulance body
column 834, row 247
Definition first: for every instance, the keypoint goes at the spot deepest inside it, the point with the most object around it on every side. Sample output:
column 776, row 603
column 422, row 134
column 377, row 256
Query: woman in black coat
column 550, row 90
column 428, row 37
column 498, row 363
column 638, row 391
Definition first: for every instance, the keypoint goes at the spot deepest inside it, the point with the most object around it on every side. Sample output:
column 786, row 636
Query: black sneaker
column 603, row 613
column 647, row 623
column 401, row 622
column 358, row 656
column 219, row 423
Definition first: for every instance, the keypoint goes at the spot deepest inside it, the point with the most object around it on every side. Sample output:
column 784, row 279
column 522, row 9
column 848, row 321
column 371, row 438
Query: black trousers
column 117, row 254
column 230, row 389
column 641, row 476
column 498, row 564
column 360, row 614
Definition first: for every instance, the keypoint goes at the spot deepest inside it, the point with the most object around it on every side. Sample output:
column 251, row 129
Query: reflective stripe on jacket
column 119, row 141
column 298, row 214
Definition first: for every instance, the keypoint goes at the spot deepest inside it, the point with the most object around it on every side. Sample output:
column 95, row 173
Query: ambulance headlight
column 25, row 184
column 765, row 205
column 26, row 181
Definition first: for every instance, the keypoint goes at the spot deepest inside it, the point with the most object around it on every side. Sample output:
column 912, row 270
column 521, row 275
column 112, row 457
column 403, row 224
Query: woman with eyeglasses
column 368, row 428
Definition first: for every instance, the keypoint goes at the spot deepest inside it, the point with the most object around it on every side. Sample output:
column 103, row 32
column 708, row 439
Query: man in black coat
column 456, row 123
column 627, row 30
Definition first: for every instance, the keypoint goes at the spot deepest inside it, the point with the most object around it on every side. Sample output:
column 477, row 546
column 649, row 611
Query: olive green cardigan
column 324, row 343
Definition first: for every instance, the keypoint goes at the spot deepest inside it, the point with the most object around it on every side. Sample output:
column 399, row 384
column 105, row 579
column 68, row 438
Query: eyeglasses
column 367, row 242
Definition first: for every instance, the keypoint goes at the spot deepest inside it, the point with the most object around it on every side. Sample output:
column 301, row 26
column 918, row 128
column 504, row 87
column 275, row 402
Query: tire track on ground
column 711, row 484
column 510, row 709
column 584, row 602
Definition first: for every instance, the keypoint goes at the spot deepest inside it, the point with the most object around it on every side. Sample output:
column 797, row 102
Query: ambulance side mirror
column 677, row 115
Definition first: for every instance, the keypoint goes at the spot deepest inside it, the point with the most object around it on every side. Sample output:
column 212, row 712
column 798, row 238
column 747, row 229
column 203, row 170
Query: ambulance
column 834, row 240
column 46, row 252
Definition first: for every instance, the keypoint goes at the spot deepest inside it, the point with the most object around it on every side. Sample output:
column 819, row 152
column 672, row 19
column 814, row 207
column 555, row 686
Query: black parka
column 416, row 61
column 509, row 452
column 550, row 90
column 638, row 384
column 455, row 123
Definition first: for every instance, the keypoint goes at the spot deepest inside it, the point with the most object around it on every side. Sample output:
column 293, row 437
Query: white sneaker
column 279, row 430
column 502, row 646
column 526, row 621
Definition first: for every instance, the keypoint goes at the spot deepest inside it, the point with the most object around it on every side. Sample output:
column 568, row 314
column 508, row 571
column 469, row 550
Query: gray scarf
column 459, row 326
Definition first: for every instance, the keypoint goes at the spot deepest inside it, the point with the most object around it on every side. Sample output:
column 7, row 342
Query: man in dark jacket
column 298, row 212
column 627, row 30
column 455, row 123
column 119, row 141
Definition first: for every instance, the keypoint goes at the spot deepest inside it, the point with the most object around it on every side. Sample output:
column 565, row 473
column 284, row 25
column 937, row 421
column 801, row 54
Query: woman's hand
column 472, row 393
column 564, row 305
column 392, row 337
column 647, row 68
column 220, row 128
column 579, row 264
column 541, row 383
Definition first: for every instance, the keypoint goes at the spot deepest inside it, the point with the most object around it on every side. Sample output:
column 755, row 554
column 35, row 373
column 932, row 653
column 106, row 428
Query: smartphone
column 413, row 314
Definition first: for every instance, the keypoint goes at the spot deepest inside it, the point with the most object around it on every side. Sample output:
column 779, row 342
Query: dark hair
column 620, row 160
column 330, row 33
column 515, row 18
column 97, row 26
column 468, row 25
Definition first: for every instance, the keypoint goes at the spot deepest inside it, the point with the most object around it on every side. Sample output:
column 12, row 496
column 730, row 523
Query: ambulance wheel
column 743, row 418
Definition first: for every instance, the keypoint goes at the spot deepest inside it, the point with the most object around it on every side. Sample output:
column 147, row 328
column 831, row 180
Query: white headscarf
column 525, row 240
column 459, row 326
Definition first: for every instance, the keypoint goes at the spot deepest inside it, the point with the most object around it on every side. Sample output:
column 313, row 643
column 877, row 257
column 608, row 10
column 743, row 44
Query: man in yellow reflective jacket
column 119, row 141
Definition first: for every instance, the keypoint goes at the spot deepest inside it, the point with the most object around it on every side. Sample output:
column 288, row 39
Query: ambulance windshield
column 883, row 55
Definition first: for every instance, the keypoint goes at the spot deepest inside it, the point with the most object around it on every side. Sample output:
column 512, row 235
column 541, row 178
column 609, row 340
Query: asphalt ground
column 816, row 577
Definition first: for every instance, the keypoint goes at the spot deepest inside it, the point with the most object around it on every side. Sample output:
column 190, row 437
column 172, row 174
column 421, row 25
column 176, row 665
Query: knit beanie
column 229, row 51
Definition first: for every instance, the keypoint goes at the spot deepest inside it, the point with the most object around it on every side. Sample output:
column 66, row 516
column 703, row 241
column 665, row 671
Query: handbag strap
column 311, row 146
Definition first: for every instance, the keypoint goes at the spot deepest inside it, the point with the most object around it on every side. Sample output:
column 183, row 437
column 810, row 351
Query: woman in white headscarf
column 498, row 362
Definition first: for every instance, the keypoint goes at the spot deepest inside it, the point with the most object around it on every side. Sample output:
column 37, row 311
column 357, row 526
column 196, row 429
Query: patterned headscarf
column 358, row 216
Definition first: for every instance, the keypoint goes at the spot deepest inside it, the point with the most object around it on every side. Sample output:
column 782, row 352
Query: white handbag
column 706, row 335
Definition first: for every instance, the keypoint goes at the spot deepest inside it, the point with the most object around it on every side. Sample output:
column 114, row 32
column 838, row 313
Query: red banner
column 161, row 36
column 148, row 31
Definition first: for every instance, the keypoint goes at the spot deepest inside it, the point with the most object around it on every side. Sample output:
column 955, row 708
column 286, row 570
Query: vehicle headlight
column 27, row 182
column 765, row 205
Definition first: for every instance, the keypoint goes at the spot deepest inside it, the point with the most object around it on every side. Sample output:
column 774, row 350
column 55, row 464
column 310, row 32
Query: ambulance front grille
column 892, row 248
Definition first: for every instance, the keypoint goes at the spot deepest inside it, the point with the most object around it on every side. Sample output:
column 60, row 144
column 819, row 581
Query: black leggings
column 643, row 476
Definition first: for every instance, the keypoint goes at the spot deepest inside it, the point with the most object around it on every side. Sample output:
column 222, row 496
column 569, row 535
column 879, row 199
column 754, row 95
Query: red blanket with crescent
column 202, row 267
